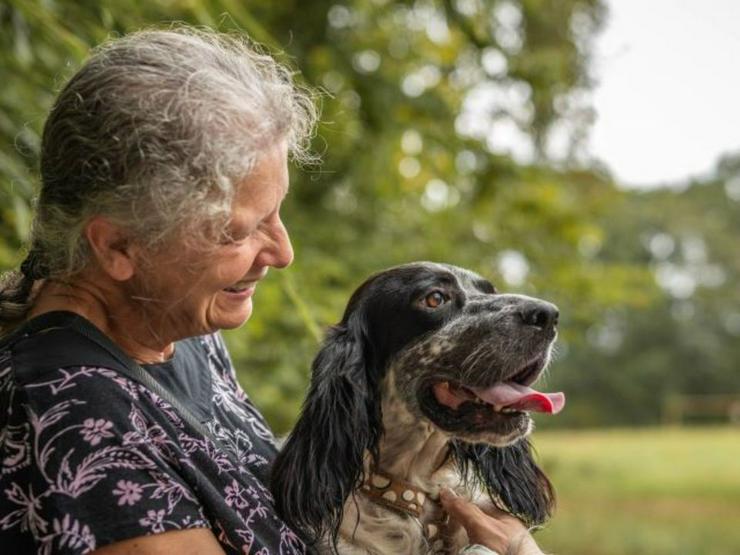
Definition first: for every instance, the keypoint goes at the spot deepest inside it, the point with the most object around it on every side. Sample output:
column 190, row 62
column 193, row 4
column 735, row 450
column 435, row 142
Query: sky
column 668, row 92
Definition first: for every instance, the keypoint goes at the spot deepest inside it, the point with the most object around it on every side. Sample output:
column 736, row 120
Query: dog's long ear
column 511, row 477
column 322, row 460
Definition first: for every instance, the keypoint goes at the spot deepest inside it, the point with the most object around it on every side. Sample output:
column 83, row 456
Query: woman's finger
column 459, row 508
column 493, row 528
column 458, row 504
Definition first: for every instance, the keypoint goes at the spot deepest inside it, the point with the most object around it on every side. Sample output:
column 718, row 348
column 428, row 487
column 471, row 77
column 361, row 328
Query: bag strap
column 134, row 371
column 120, row 361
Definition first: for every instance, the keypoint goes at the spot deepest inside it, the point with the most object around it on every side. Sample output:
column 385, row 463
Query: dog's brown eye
column 435, row 299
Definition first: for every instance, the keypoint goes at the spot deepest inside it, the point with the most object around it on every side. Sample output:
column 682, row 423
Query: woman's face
column 192, row 293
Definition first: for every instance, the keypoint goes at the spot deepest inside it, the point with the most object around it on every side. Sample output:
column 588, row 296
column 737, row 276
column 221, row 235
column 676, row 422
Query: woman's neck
column 108, row 307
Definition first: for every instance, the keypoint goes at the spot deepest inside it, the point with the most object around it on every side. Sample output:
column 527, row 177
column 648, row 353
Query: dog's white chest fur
column 415, row 453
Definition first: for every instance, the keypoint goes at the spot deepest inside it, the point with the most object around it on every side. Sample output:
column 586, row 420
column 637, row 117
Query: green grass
column 665, row 491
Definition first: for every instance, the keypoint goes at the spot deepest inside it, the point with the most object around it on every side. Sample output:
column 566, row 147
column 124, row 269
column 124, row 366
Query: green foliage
column 406, row 176
column 687, row 342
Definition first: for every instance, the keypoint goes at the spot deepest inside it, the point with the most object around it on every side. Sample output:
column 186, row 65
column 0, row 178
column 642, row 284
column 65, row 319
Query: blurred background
column 582, row 151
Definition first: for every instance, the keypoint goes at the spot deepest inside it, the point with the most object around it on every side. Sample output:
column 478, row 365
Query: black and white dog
column 424, row 384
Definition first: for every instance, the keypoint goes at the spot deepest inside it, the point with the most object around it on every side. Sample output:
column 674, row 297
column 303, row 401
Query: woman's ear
column 111, row 248
column 511, row 478
column 321, row 463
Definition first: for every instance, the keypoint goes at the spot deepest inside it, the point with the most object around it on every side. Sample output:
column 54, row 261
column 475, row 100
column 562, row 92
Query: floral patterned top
column 89, row 457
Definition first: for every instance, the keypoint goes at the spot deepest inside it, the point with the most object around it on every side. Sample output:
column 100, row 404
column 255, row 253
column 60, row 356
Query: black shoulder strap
column 59, row 333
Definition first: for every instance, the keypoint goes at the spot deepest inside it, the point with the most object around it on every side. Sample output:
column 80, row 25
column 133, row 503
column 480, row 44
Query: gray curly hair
column 154, row 132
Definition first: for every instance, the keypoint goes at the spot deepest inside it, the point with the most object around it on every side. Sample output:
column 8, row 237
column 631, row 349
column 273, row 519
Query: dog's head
column 465, row 356
column 455, row 353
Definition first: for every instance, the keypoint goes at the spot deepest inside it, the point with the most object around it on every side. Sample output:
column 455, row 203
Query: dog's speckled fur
column 371, row 405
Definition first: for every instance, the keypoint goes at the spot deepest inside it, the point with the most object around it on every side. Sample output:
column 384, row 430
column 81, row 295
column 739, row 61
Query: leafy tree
column 686, row 342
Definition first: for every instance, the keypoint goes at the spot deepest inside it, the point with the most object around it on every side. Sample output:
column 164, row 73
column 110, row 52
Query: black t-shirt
column 89, row 457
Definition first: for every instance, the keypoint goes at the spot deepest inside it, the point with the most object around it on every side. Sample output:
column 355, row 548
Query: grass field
column 666, row 491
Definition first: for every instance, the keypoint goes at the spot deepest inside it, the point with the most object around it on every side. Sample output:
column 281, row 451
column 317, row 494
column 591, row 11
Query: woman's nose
column 278, row 253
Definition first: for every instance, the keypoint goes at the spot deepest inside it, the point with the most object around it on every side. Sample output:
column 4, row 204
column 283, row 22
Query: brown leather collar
column 403, row 497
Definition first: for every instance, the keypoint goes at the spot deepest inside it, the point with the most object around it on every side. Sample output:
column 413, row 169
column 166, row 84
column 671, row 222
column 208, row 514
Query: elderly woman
column 164, row 166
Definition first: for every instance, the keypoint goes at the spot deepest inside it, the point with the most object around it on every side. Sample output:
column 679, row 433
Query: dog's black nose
column 540, row 314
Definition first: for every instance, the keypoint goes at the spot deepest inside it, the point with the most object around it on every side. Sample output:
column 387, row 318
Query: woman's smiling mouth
column 241, row 289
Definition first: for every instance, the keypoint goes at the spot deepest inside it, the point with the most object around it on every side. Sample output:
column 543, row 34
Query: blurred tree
column 686, row 343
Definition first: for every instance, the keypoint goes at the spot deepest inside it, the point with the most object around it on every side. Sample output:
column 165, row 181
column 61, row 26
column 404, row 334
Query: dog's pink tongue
column 520, row 397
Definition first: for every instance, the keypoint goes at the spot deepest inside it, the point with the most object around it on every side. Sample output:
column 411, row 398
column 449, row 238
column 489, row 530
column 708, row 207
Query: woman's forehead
column 267, row 184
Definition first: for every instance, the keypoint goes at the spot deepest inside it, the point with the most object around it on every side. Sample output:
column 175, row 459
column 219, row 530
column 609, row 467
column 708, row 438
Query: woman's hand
column 493, row 529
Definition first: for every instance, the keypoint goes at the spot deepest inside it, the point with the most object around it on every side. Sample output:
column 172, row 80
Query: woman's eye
column 435, row 299
column 228, row 238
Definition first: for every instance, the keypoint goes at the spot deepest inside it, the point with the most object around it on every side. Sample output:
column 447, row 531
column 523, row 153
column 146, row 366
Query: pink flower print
column 94, row 430
column 27, row 513
column 235, row 495
column 290, row 544
column 129, row 492
column 154, row 520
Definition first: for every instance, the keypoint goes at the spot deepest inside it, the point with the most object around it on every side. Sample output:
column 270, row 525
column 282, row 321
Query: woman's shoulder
column 73, row 407
column 58, row 365
column 59, row 378
column 96, row 454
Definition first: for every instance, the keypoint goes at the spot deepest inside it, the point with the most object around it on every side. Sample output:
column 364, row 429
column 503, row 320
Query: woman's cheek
column 239, row 261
